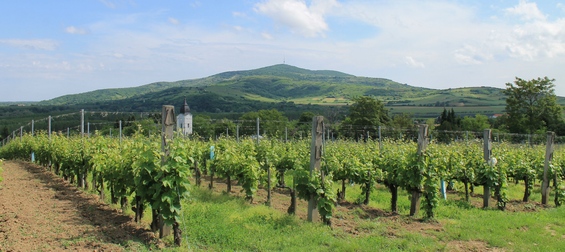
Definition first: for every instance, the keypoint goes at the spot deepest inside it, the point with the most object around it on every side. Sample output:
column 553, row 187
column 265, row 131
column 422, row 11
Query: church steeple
column 184, row 119
column 185, row 109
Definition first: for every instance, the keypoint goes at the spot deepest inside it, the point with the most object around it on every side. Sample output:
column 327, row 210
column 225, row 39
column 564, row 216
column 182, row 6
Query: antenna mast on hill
column 284, row 59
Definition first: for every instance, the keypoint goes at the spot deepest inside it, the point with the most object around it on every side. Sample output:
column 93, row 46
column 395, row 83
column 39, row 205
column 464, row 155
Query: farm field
column 216, row 221
column 361, row 215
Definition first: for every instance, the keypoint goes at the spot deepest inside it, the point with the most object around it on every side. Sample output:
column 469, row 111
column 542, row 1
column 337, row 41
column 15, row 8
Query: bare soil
column 41, row 212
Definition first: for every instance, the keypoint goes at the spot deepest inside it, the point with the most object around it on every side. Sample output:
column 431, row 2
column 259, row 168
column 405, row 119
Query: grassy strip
column 221, row 222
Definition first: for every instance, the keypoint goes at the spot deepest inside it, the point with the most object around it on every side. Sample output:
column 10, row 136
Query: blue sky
column 52, row 48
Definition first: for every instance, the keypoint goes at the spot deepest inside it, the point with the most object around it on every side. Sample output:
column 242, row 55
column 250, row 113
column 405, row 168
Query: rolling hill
column 286, row 84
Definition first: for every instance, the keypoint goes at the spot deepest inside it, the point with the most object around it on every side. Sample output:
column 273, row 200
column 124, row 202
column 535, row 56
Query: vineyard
column 138, row 174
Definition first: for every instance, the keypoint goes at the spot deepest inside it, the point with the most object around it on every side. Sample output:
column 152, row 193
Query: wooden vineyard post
column 315, row 160
column 82, row 123
column 49, row 134
column 258, row 129
column 81, row 176
column 120, row 132
column 487, row 155
column 548, row 158
column 167, row 130
column 380, row 140
column 422, row 144
column 237, row 132
column 32, row 132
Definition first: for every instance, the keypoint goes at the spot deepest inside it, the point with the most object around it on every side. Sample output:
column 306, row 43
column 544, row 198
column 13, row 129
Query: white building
column 184, row 119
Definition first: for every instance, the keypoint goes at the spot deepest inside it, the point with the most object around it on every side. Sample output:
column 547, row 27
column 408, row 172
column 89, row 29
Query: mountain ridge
column 282, row 71
column 283, row 85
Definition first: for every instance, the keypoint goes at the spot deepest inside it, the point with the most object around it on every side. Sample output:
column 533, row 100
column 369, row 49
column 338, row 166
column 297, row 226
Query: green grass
column 219, row 222
column 224, row 223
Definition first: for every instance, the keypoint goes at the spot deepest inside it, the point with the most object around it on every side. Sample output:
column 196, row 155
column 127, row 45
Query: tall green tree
column 304, row 124
column 448, row 120
column 476, row 124
column 449, row 126
column 532, row 106
column 224, row 127
column 402, row 121
column 368, row 112
column 5, row 133
column 202, row 126
column 365, row 114
column 272, row 123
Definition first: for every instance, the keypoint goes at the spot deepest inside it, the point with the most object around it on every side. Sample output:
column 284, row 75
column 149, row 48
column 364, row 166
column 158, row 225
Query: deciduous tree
column 477, row 123
column 366, row 114
column 532, row 106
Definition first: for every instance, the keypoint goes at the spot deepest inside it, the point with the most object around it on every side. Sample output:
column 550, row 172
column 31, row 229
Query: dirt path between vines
column 41, row 212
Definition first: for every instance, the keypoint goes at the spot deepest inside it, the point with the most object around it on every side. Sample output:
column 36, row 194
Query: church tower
column 184, row 119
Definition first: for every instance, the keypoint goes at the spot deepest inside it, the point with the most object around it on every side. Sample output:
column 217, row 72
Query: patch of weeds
column 368, row 225
column 530, row 207
column 339, row 215
column 359, row 212
column 77, row 240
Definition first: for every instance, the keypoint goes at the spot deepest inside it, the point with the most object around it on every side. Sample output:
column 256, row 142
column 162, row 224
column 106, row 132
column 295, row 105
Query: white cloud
column 174, row 21
column 527, row 11
column 75, row 30
column 298, row 16
column 36, row 44
column 195, row 4
column 413, row 63
column 472, row 55
column 536, row 39
column 239, row 14
column 108, row 3
column 267, row 36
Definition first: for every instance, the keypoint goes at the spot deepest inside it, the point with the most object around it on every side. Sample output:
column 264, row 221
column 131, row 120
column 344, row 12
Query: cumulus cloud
column 537, row 37
column 36, row 44
column 75, row 30
column 527, row 11
column 298, row 16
